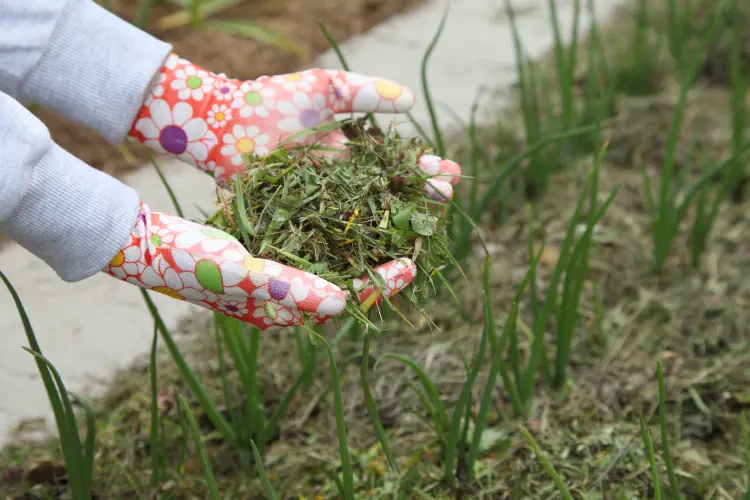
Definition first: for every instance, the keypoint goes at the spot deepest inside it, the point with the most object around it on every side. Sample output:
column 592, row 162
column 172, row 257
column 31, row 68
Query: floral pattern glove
column 211, row 122
column 208, row 267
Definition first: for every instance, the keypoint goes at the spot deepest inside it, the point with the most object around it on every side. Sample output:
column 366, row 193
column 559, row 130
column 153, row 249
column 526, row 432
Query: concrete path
column 92, row 328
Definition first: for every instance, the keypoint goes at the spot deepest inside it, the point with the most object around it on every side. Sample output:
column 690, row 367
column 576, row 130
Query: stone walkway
column 92, row 328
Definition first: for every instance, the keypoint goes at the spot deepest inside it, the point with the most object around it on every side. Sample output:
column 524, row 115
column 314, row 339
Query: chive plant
column 77, row 451
column 666, row 209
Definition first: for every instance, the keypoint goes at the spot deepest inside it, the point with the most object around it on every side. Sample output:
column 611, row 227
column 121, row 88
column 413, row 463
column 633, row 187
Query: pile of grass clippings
column 339, row 218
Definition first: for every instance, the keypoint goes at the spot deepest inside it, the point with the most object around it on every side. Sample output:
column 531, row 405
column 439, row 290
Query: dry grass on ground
column 693, row 320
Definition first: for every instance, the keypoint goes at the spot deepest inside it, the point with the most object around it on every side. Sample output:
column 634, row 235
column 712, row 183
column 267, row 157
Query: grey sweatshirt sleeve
column 72, row 216
column 74, row 57
column 79, row 60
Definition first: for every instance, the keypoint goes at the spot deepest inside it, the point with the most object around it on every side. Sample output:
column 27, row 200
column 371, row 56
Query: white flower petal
column 148, row 128
column 160, row 113
column 189, row 280
column 214, row 245
column 195, row 128
column 182, row 112
column 188, row 239
column 330, row 306
column 132, row 254
column 319, row 101
column 150, row 278
column 234, row 255
column 259, row 279
column 193, row 294
column 288, row 109
column 290, row 125
column 302, row 100
column 196, row 150
column 183, row 260
column 172, row 279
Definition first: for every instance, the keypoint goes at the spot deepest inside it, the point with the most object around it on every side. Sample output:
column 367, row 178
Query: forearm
column 79, row 60
column 71, row 216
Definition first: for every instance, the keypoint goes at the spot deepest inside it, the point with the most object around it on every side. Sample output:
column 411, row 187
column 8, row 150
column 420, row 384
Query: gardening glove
column 211, row 122
column 208, row 267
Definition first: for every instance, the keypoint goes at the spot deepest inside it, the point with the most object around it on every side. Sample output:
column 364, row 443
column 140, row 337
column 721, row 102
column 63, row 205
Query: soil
column 235, row 56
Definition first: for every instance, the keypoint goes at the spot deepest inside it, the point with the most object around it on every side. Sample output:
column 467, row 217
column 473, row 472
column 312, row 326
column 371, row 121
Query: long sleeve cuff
column 96, row 70
column 72, row 216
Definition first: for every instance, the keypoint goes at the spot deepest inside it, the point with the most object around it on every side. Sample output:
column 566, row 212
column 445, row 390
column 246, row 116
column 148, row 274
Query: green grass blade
column 334, row 45
column 340, row 56
column 420, row 130
column 273, row 421
column 372, row 410
column 213, row 489
column 270, row 492
column 476, row 152
column 346, row 462
column 261, row 34
column 528, row 99
column 498, row 348
column 55, row 399
column 745, row 451
column 246, row 229
column 665, row 229
column 650, row 203
column 244, row 353
column 575, row 278
column 464, row 397
column 155, row 449
column 31, row 338
column 542, row 321
column 547, row 464
column 646, row 436
column 312, row 355
column 69, row 437
column 339, row 485
column 252, row 390
column 704, row 180
column 429, row 387
column 438, row 135
column 673, row 486
column 674, row 47
column 494, row 185
column 301, row 351
column 739, row 91
column 88, row 450
column 194, row 10
column 144, row 9
column 224, row 374
column 170, row 192
column 189, row 375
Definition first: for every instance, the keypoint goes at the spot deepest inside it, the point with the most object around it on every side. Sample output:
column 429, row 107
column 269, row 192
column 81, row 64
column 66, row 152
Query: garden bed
column 692, row 317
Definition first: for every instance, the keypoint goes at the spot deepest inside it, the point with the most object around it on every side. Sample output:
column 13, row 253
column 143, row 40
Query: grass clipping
column 341, row 218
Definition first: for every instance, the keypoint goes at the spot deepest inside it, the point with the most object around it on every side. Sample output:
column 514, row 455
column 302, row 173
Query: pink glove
column 210, row 121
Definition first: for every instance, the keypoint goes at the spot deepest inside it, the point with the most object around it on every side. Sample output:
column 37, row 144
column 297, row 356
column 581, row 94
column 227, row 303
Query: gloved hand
column 210, row 121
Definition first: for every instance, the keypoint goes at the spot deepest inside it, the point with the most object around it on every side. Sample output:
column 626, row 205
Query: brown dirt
column 235, row 56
